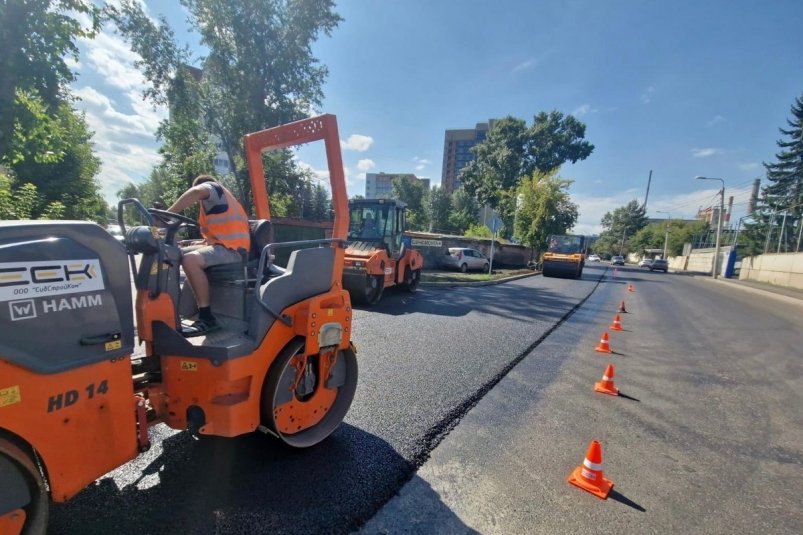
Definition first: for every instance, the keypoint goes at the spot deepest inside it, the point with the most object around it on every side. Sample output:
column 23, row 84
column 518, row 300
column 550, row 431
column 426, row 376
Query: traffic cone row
column 589, row 475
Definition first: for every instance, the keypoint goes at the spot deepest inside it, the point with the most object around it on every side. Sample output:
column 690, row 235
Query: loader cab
column 377, row 220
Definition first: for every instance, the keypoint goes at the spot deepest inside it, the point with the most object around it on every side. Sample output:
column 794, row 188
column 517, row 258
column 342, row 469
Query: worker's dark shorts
column 213, row 255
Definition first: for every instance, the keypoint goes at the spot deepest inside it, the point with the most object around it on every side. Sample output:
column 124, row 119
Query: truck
column 565, row 256
column 377, row 255
column 83, row 362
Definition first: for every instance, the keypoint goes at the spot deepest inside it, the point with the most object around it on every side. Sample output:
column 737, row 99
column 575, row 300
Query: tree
column 439, row 207
column 464, row 212
column 412, row 192
column 35, row 39
column 259, row 72
column 553, row 140
column 476, row 230
column 512, row 151
column 783, row 196
column 545, row 208
column 618, row 225
column 51, row 149
column 19, row 203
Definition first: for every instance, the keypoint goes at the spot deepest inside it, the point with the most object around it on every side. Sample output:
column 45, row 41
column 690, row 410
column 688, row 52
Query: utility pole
column 647, row 195
column 715, row 271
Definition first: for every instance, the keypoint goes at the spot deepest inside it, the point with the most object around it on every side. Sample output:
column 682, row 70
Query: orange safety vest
column 228, row 228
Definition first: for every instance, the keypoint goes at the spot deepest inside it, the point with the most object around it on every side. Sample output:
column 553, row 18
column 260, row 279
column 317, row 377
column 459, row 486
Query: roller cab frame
column 79, row 388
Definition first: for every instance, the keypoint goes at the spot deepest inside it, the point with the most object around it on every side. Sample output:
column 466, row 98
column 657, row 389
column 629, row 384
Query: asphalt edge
column 453, row 284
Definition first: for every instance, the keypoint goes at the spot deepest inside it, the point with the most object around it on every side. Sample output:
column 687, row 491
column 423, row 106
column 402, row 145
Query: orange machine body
column 63, row 428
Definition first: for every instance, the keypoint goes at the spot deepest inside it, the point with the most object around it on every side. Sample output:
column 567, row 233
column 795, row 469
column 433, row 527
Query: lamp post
column 715, row 271
column 666, row 236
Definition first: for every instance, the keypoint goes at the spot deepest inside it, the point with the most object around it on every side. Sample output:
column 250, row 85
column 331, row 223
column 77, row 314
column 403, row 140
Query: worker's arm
column 192, row 195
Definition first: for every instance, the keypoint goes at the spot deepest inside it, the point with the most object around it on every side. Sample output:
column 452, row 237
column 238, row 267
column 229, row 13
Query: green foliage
column 620, row 225
column 259, row 72
column 36, row 38
column 465, row 211
column 545, row 208
column 513, row 151
column 783, row 195
column 439, row 208
column 553, row 140
column 52, row 150
column 477, row 230
column 36, row 135
column 20, row 202
column 415, row 195
column 498, row 162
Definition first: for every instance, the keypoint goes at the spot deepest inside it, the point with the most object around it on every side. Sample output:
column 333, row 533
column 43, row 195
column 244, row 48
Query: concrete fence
column 785, row 269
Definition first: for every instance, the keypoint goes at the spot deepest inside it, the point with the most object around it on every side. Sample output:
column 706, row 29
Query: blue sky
column 682, row 88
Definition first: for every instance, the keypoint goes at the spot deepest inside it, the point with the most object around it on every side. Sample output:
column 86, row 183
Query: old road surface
column 475, row 404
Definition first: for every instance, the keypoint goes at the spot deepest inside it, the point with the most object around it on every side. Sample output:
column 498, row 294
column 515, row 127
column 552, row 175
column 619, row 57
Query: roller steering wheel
column 171, row 217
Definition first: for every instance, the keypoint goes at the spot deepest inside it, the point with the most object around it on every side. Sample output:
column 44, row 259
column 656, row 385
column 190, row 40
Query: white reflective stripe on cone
column 591, row 466
column 588, row 475
column 606, row 378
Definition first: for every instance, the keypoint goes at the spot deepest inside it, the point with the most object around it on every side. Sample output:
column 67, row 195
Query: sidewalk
column 791, row 295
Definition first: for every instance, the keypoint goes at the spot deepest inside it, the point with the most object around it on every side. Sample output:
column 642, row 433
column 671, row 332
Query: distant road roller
column 565, row 256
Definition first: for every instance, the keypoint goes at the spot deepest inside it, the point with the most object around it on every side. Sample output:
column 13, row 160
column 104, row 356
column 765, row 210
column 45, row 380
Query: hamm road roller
column 71, row 380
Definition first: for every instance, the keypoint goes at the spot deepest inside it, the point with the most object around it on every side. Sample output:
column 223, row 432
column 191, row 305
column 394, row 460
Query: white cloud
column 365, row 165
column 320, row 175
column 706, row 152
column 583, row 109
column 357, row 142
column 646, row 97
column 716, row 120
column 422, row 163
column 111, row 57
column 524, row 65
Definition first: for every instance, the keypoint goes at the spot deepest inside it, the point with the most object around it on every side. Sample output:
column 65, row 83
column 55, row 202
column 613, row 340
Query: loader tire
column 24, row 484
column 305, row 416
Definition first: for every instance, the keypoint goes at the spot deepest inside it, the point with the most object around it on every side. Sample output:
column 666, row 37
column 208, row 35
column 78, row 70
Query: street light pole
column 666, row 225
column 715, row 271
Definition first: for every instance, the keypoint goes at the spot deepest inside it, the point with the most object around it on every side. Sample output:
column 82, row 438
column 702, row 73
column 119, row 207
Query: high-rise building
column 457, row 153
column 380, row 185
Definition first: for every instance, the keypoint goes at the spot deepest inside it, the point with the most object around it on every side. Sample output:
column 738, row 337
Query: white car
column 465, row 259
column 645, row 263
column 594, row 258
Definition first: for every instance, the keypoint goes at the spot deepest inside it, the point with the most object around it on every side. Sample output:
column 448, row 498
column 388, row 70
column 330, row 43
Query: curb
column 454, row 284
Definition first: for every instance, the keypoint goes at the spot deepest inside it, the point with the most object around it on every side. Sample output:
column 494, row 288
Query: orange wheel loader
column 70, row 381
column 377, row 257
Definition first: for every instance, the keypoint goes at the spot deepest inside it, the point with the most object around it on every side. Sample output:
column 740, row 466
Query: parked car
column 647, row 262
column 594, row 258
column 659, row 264
column 617, row 260
column 465, row 259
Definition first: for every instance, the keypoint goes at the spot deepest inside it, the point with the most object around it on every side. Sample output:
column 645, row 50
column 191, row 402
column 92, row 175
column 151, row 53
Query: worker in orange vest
column 224, row 227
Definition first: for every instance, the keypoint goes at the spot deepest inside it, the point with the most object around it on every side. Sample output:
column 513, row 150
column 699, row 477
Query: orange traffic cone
column 617, row 324
column 622, row 308
column 630, row 288
column 588, row 476
column 606, row 385
column 604, row 346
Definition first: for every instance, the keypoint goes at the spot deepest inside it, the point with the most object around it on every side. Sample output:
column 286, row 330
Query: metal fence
column 779, row 231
